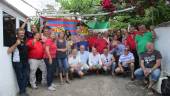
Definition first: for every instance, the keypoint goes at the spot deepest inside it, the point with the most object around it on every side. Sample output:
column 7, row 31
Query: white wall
column 163, row 45
column 8, row 84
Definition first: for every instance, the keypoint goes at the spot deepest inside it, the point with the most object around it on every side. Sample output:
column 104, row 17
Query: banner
column 60, row 24
column 99, row 26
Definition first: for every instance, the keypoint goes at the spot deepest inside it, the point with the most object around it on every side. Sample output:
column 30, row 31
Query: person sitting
column 150, row 65
column 126, row 61
column 75, row 63
column 84, row 56
column 108, row 61
column 95, row 62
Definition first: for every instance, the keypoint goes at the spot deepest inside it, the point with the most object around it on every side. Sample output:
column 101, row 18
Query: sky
column 39, row 4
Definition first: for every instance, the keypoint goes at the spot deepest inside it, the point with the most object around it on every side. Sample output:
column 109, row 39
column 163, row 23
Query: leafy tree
column 80, row 6
column 148, row 12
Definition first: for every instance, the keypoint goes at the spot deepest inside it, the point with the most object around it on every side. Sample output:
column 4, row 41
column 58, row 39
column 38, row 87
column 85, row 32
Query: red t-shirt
column 35, row 50
column 100, row 44
column 53, row 48
column 91, row 41
column 130, row 40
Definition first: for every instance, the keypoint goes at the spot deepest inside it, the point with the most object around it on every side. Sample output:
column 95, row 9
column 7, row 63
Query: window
column 9, row 29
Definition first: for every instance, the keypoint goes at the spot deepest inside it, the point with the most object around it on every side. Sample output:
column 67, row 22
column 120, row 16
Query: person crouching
column 126, row 62
column 74, row 63
column 95, row 62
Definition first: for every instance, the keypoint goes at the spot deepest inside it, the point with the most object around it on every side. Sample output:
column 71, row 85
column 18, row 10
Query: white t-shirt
column 125, row 58
column 84, row 57
column 106, row 59
column 16, row 56
column 94, row 59
column 73, row 61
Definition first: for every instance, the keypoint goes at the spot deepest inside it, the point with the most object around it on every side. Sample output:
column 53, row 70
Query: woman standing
column 62, row 57
column 50, row 60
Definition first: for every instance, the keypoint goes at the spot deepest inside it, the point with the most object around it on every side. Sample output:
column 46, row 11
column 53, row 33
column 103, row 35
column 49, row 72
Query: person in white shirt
column 84, row 56
column 75, row 63
column 126, row 62
column 108, row 61
column 95, row 62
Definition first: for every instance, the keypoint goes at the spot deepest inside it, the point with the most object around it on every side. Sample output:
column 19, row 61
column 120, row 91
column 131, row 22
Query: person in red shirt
column 130, row 42
column 50, row 59
column 92, row 39
column 100, row 44
column 35, row 59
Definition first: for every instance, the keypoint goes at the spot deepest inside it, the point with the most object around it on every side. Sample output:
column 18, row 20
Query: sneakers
column 51, row 88
column 34, row 86
column 53, row 85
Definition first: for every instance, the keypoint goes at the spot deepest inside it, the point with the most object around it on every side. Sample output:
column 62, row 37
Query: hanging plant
column 107, row 5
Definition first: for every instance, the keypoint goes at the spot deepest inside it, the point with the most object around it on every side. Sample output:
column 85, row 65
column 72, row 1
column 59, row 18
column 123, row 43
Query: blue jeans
column 113, row 66
column 50, row 70
column 154, row 75
column 22, row 75
column 63, row 65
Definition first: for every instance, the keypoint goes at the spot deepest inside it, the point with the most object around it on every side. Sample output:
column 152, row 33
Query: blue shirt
column 119, row 50
column 84, row 57
column 85, row 43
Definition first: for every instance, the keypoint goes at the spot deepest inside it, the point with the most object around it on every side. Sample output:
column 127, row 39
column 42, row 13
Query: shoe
column 53, row 85
column 24, row 94
column 51, row 88
column 67, row 81
column 34, row 86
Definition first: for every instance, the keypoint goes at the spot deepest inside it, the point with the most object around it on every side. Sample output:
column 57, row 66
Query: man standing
column 35, row 55
column 100, row 44
column 142, row 39
column 150, row 65
column 126, row 62
column 83, row 42
column 130, row 41
column 20, row 61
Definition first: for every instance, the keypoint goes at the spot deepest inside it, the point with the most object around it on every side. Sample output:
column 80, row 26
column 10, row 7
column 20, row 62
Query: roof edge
column 14, row 8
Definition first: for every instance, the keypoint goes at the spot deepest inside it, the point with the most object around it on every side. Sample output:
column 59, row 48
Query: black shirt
column 150, row 59
column 23, row 51
column 61, row 45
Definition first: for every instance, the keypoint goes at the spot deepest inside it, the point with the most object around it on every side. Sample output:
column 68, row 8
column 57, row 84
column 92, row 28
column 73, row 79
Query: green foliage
column 80, row 6
column 148, row 12
column 154, row 14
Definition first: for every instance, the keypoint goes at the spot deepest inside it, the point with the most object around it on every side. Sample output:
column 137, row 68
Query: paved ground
column 95, row 86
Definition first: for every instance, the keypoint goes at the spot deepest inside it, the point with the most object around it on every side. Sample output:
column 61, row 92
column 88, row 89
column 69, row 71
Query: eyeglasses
column 107, row 60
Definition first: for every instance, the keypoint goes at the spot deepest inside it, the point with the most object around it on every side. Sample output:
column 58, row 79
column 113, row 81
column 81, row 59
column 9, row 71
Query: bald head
column 82, row 48
column 150, row 46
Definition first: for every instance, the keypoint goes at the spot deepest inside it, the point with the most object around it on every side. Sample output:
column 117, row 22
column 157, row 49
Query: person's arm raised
column 24, row 24
column 12, row 48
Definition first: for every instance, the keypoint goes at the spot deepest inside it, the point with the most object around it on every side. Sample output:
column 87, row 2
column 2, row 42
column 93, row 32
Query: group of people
column 119, row 52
